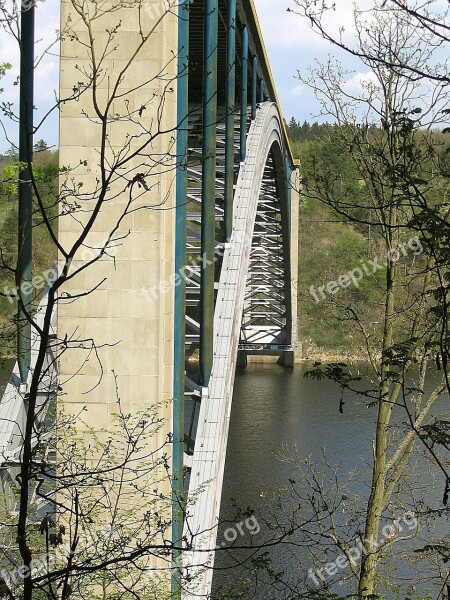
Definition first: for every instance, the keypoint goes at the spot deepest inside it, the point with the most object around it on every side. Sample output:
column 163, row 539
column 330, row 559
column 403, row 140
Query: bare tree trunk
column 375, row 503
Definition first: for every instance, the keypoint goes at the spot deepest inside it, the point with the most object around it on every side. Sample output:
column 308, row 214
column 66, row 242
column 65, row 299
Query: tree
column 40, row 146
column 87, row 511
column 3, row 69
column 388, row 129
column 431, row 21
column 91, row 499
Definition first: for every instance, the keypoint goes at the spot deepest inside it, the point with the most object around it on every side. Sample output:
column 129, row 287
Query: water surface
column 277, row 411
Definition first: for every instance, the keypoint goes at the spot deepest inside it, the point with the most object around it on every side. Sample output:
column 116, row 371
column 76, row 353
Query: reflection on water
column 275, row 408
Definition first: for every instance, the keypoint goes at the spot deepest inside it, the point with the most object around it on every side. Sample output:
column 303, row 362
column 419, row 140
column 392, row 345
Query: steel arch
column 265, row 144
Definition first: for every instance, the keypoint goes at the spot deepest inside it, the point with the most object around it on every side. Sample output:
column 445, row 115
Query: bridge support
column 241, row 361
column 261, row 91
column 254, row 85
column 208, row 189
column 287, row 359
column 180, row 299
column 244, row 92
column 229, row 125
column 24, row 266
column 146, row 294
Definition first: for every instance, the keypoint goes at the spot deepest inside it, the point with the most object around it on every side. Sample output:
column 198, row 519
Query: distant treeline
column 303, row 132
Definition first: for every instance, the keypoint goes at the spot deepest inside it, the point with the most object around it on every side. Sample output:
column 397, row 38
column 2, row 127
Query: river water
column 277, row 411
column 280, row 412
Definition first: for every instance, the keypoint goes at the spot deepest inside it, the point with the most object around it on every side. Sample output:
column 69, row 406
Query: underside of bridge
column 237, row 240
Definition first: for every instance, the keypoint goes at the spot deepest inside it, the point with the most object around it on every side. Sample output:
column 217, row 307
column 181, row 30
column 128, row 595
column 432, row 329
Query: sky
column 291, row 46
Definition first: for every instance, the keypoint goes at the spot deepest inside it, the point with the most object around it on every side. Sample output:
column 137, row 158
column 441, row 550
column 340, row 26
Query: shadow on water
column 274, row 409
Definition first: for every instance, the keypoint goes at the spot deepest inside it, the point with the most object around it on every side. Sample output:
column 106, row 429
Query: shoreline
column 329, row 357
column 309, row 353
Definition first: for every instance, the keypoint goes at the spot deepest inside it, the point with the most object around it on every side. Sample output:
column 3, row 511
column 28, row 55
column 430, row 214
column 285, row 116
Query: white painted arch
column 208, row 461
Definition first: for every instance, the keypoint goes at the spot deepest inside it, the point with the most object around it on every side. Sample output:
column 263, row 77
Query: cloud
column 359, row 82
column 291, row 30
column 298, row 90
column 283, row 29
column 293, row 46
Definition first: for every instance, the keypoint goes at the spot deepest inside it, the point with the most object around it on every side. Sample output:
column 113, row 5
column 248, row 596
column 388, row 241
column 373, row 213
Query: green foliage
column 10, row 178
column 329, row 248
column 3, row 69
column 336, row 239
column 45, row 172
column 40, row 146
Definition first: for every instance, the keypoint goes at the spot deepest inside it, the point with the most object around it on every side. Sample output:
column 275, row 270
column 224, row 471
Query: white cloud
column 298, row 90
column 283, row 29
column 359, row 82
column 293, row 46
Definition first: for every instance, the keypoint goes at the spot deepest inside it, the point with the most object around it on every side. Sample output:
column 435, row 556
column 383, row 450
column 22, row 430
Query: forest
column 332, row 244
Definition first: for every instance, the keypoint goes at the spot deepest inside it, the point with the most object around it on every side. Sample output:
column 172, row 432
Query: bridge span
column 179, row 204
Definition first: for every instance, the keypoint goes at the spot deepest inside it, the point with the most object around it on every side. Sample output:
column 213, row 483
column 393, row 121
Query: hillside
column 44, row 252
column 343, row 256
column 330, row 247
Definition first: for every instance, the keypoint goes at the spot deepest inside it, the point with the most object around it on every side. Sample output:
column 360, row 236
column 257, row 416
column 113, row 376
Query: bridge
column 179, row 200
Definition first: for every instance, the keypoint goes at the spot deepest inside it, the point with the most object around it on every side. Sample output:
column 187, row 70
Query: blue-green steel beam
column 254, row 85
column 244, row 93
column 208, row 188
column 230, row 110
column 24, row 258
column 261, row 91
column 180, row 296
column 288, row 176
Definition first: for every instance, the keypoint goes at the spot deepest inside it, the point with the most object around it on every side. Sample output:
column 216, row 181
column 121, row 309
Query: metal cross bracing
column 265, row 327
column 193, row 249
column 265, row 316
column 253, row 293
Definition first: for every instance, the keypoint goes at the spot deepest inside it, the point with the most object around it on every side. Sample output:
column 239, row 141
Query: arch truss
column 253, row 314
column 237, row 243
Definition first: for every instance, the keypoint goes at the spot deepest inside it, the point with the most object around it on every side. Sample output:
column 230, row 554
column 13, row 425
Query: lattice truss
column 193, row 241
column 194, row 218
column 193, row 251
column 264, row 317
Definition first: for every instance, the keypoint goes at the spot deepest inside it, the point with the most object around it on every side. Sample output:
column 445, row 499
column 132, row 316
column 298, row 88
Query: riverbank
column 328, row 357
column 313, row 352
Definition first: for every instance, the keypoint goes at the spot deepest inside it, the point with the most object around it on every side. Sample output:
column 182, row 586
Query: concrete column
column 241, row 360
